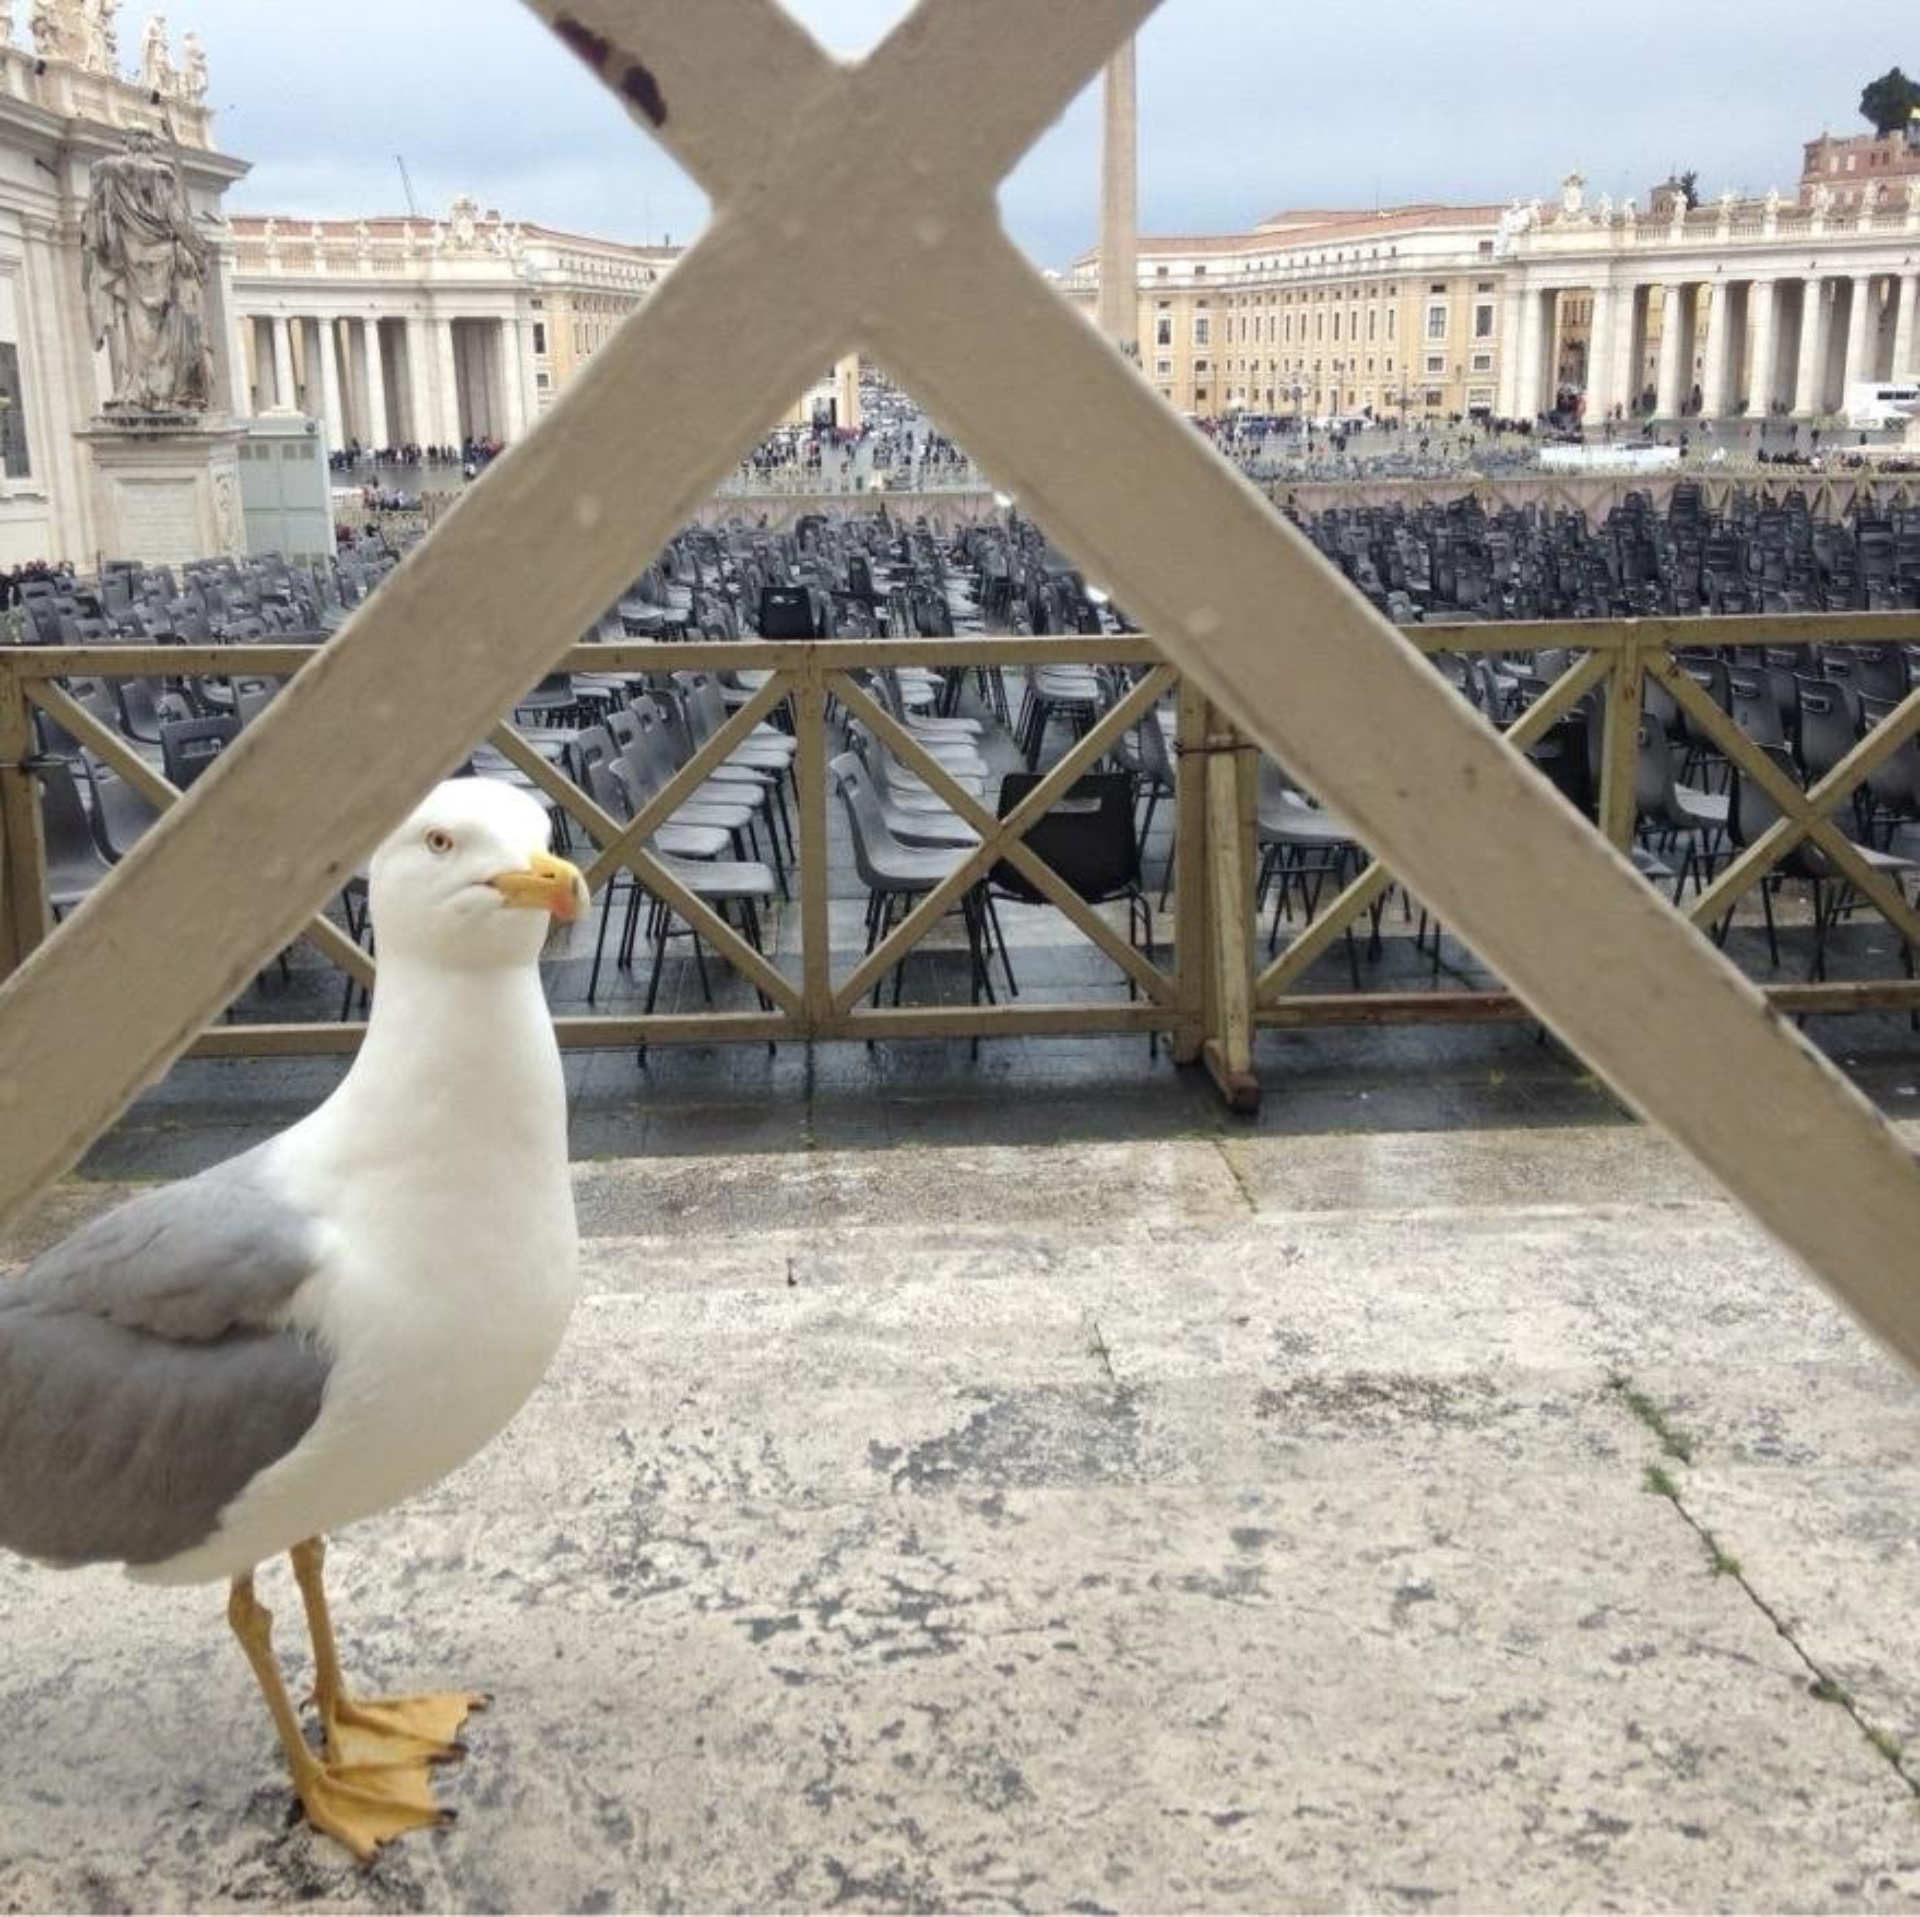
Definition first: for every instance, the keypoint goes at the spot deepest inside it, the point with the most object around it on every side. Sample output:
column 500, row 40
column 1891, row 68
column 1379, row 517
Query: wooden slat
column 999, row 838
column 1804, row 815
column 161, row 793
column 1367, row 885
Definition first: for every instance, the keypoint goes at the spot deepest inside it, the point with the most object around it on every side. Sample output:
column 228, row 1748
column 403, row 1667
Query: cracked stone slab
column 1226, row 1697
column 883, row 1537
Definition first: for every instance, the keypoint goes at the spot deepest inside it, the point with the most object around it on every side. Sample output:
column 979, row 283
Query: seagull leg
column 388, row 1730
column 363, row 1806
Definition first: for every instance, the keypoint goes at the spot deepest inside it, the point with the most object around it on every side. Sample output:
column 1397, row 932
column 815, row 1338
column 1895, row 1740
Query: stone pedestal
column 166, row 488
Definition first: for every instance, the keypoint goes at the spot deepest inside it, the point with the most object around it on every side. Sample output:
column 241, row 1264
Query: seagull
column 239, row 1364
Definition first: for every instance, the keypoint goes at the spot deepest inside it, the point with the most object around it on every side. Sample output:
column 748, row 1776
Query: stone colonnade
column 1755, row 344
column 385, row 381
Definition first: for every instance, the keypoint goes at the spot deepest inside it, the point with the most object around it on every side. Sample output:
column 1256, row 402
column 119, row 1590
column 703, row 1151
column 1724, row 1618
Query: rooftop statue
column 54, row 26
column 145, row 269
column 193, row 71
column 101, row 43
column 156, row 63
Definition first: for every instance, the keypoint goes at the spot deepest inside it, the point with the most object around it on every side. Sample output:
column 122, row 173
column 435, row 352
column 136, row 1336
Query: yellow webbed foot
column 366, row 1805
column 399, row 1730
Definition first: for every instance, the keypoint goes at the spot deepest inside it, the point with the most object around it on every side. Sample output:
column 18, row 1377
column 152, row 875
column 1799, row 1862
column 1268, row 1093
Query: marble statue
column 1821, row 199
column 1773, row 202
column 102, row 53
column 144, row 265
column 52, row 30
column 193, row 70
column 1913, row 194
column 1606, row 209
column 156, row 63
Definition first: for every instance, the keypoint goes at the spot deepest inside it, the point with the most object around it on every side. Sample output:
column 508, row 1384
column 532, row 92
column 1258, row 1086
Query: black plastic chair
column 1089, row 837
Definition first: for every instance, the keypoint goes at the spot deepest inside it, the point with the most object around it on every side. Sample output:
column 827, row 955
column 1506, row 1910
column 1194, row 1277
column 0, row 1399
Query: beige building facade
column 426, row 332
column 1323, row 314
column 1741, row 307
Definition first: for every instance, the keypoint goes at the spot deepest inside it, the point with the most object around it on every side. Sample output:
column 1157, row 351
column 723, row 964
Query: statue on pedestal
column 145, row 269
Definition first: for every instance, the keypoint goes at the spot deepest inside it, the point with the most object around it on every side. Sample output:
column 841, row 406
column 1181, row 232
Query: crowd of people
column 471, row 456
column 61, row 576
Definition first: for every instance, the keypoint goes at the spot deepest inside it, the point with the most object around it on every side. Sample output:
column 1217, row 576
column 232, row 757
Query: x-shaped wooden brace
column 853, row 205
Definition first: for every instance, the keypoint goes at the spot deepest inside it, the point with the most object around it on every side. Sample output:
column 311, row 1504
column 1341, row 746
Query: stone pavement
column 1444, row 1520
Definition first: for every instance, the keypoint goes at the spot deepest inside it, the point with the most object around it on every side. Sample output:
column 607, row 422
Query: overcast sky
column 1246, row 106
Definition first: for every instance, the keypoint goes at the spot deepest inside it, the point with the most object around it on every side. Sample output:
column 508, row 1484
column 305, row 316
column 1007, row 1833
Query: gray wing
column 143, row 1379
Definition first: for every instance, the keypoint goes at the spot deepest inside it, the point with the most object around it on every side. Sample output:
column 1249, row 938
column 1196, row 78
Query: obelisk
column 1120, row 207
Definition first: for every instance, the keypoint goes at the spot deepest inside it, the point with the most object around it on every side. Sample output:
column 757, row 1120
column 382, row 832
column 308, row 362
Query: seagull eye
column 438, row 842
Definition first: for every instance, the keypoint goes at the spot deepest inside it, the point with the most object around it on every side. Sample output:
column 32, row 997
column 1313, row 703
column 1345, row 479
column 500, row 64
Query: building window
column 1483, row 362
column 1483, row 322
column 1436, row 322
column 1159, row 272
column 543, row 381
column 1437, row 286
column 1436, row 363
column 1163, row 331
column 1200, row 270
column 1202, row 330
column 1163, row 368
column 540, row 339
column 1200, row 366
column 13, row 417
column 1393, row 318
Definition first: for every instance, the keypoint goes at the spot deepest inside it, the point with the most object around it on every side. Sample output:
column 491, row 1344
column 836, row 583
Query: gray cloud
column 1246, row 106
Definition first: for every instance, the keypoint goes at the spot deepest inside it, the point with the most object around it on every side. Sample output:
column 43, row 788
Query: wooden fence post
column 1231, row 799
column 1192, row 939
column 1620, row 746
column 25, row 920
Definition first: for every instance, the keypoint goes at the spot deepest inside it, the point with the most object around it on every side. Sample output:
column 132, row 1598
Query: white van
column 1881, row 402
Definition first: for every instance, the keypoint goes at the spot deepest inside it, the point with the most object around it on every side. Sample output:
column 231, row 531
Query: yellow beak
column 552, row 885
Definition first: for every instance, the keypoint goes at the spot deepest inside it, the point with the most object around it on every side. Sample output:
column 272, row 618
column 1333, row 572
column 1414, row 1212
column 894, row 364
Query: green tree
column 1689, row 185
column 1889, row 101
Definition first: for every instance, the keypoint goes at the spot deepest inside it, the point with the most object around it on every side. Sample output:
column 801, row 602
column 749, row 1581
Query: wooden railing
column 1210, row 992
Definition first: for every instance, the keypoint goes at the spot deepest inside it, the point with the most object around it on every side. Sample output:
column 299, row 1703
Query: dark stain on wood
column 594, row 48
column 637, row 83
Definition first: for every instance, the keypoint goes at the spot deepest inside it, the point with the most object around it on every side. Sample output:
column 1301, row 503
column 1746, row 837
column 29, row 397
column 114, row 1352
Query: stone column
column 1761, row 300
column 1716, row 315
column 1526, row 386
column 1601, row 391
column 1808, row 398
column 1506, row 402
column 421, row 418
column 373, row 379
column 1629, row 334
column 284, row 398
column 515, row 392
column 1908, row 292
column 1669, row 391
column 1859, row 360
column 1120, row 207
column 326, row 337
column 529, row 374
column 446, row 379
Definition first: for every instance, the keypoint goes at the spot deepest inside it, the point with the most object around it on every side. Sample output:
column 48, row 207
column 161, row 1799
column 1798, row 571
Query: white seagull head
column 467, row 883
